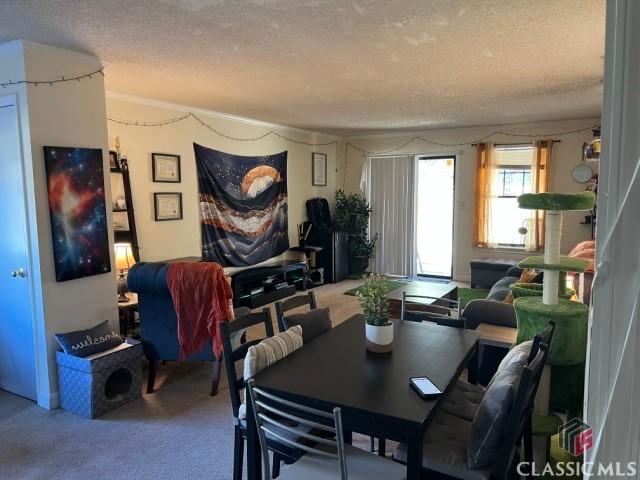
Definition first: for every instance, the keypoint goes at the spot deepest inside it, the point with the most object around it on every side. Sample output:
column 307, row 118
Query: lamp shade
column 124, row 256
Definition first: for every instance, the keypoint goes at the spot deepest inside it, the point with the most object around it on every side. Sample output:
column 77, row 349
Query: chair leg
column 238, row 455
column 372, row 443
column 151, row 378
column 217, row 365
column 275, row 468
column 528, row 440
column 382, row 447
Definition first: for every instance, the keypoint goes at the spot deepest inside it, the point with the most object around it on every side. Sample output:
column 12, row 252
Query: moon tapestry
column 75, row 182
column 243, row 206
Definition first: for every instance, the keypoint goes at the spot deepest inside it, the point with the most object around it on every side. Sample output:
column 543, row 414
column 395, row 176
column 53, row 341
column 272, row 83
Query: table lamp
column 124, row 261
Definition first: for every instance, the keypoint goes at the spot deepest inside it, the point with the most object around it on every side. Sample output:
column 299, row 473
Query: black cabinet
column 334, row 257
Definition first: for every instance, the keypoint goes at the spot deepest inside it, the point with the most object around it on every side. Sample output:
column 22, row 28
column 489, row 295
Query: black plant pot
column 359, row 265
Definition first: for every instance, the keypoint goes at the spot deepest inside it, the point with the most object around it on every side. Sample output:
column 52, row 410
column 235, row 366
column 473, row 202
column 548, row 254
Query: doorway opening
column 434, row 215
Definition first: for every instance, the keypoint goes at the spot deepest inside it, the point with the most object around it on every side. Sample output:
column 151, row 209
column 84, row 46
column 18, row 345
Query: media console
column 258, row 286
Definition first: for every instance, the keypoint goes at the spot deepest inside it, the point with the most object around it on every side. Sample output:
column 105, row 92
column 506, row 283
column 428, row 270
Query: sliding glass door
column 435, row 193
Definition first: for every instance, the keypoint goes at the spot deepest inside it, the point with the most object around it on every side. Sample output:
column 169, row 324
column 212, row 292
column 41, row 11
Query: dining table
column 371, row 389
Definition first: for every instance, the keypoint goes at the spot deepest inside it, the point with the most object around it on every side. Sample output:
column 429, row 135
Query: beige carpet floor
column 178, row 432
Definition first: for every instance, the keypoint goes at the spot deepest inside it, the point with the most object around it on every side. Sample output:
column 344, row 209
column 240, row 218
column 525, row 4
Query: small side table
column 127, row 314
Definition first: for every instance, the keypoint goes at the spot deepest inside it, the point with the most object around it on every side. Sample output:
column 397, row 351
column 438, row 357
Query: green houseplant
column 352, row 216
column 375, row 305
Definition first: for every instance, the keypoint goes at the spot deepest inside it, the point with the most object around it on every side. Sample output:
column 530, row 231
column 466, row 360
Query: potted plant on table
column 373, row 300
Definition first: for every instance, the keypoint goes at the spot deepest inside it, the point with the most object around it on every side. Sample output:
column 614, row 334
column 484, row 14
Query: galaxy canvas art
column 243, row 206
column 75, row 182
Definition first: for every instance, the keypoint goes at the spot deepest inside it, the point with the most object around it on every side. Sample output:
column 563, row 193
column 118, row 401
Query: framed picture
column 167, row 206
column 75, row 184
column 165, row 167
column 113, row 160
column 319, row 169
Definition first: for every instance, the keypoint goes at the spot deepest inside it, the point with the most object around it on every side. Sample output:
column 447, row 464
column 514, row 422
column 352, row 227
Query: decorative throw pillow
column 515, row 352
column 268, row 352
column 313, row 323
column 83, row 343
column 491, row 416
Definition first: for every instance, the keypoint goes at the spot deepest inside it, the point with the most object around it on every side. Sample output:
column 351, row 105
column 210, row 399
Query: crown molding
column 150, row 102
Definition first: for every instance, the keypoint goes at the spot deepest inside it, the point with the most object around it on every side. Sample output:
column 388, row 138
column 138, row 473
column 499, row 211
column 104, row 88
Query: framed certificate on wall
column 319, row 169
column 165, row 167
column 167, row 206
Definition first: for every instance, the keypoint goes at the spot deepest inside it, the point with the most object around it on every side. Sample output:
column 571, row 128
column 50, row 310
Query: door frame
column 439, row 156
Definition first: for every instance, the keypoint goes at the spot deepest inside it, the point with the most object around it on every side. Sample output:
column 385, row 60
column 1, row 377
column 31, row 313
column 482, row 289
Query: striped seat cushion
column 268, row 352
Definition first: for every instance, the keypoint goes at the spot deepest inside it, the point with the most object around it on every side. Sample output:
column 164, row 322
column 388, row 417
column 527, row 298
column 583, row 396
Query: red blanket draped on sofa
column 201, row 297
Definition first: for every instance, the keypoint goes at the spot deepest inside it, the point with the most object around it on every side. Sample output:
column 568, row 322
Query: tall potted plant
column 352, row 216
column 373, row 300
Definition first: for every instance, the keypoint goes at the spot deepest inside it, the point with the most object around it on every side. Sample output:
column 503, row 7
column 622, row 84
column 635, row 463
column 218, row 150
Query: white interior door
column 435, row 192
column 17, row 356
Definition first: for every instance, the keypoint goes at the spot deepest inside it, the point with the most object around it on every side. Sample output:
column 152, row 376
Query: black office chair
column 291, row 303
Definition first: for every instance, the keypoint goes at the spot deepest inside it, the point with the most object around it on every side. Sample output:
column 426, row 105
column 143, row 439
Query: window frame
column 500, row 169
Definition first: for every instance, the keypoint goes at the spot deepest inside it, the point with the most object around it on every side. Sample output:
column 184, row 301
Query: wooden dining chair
column 231, row 356
column 328, row 455
column 291, row 303
column 448, row 437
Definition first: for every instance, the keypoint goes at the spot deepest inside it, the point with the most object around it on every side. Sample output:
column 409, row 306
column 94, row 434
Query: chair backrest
column 275, row 415
column 231, row 356
column 520, row 411
column 543, row 337
column 417, row 312
column 291, row 303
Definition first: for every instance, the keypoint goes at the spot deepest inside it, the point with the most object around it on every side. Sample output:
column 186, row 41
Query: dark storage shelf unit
column 127, row 236
column 258, row 286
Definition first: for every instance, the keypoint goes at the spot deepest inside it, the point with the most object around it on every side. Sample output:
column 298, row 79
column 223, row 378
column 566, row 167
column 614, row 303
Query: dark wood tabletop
column 372, row 389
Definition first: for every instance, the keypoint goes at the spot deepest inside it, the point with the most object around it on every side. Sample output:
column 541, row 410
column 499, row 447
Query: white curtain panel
column 388, row 183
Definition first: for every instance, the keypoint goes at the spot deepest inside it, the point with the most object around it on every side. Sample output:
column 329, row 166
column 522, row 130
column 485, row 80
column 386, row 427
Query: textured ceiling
column 343, row 67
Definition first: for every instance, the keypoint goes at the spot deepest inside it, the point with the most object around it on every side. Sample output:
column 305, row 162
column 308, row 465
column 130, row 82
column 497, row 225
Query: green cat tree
column 536, row 305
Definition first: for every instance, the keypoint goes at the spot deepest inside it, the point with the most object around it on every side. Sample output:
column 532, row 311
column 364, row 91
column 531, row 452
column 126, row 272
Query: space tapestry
column 243, row 206
column 75, row 182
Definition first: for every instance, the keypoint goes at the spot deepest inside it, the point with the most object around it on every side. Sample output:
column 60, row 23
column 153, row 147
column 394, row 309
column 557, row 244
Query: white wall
column 67, row 114
column 565, row 156
column 181, row 238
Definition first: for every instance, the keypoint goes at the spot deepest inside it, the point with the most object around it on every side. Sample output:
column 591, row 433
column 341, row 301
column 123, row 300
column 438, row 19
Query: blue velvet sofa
column 158, row 321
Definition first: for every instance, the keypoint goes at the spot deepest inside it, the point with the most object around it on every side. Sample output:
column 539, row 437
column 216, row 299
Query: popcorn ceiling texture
column 342, row 67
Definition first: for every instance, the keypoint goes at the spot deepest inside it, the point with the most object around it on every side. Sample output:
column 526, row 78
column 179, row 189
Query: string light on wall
column 268, row 133
column 51, row 83
column 470, row 143
column 173, row 120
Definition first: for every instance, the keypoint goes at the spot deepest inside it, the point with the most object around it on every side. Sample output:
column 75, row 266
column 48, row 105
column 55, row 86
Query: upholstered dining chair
column 464, row 398
column 487, row 446
column 284, row 306
column 328, row 457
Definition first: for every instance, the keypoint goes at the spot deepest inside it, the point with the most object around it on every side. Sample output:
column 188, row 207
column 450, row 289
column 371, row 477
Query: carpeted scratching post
column 536, row 305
